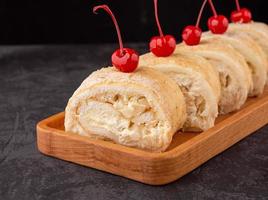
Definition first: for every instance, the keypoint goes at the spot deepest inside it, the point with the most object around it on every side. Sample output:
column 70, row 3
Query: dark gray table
column 36, row 81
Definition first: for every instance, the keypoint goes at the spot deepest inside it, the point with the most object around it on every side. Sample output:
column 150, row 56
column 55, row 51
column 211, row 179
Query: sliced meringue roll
column 143, row 109
column 234, row 74
column 252, row 53
column 199, row 82
column 257, row 31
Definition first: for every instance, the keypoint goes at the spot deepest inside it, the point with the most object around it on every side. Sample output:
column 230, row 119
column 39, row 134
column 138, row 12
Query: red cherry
column 247, row 16
column 241, row 16
column 218, row 24
column 191, row 35
column 163, row 45
column 124, row 59
column 236, row 16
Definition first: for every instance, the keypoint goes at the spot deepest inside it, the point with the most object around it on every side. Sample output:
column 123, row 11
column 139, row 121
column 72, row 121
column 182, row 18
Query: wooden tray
column 187, row 151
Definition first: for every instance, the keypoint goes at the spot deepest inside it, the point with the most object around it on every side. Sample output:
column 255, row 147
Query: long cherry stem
column 200, row 13
column 107, row 9
column 213, row 8
column 237, row 5
column 156, row 18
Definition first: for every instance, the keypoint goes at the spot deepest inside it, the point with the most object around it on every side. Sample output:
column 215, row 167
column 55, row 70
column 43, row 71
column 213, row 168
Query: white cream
column 122, row 115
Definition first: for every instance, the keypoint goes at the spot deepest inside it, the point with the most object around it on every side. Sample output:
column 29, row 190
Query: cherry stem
column 200, row 13
column 237, row 5
column 156, row 18
column 107, row 9
column 213, row 8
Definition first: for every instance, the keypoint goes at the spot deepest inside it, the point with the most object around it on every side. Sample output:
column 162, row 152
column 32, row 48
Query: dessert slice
column 143, row 109
column 234, row 74
column 256, row 30
column 199, row 82
column 252, row 53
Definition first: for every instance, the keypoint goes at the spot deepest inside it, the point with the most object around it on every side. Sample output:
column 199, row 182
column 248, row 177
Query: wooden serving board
column 187, row 151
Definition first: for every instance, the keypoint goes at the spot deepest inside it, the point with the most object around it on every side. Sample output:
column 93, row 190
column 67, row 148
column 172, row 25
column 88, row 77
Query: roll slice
column 143, row 109
column 234, row 74
column 199, row 82
column 252, row 53
column 257, row 31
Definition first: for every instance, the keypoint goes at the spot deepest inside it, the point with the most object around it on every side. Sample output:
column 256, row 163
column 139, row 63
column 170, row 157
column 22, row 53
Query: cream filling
column 122, row 118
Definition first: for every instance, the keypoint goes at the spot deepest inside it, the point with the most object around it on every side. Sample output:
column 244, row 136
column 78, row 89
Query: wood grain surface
column 187, row 151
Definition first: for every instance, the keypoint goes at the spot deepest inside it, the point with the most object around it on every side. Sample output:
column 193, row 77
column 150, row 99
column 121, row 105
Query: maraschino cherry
column 241, row 15
column 124, row 59
column 217, row 24
column 191, row 34
column 163, row 45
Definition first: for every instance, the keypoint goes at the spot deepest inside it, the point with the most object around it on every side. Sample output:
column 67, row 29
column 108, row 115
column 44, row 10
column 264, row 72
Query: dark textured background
column 71, row 21
column 36, row 81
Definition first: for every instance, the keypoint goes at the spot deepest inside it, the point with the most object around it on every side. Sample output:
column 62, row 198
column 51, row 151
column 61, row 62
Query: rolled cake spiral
column 252, row 53
column 234, row 74
column 143, row 109
column 257, row 31
column 199, row 82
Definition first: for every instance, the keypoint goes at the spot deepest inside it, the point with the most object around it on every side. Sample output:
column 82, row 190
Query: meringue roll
column 143, row 109
column 198, row 81
column 257, row 31
column 252, row 53
column 234, row 74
